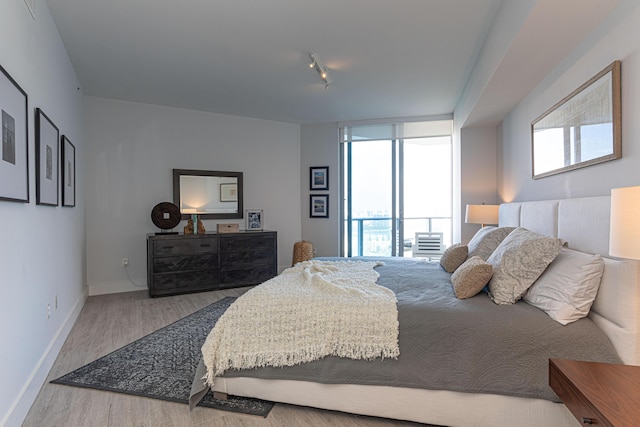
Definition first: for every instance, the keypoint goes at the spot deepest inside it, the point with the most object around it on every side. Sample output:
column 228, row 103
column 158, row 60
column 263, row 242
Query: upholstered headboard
column 584, row 224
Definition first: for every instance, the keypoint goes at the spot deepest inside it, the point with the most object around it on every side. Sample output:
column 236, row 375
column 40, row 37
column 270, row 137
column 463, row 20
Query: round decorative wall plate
column 165, row 215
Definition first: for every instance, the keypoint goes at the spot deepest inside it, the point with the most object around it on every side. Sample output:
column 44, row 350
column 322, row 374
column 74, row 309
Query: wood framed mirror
column 582, row 129
column 209, row 194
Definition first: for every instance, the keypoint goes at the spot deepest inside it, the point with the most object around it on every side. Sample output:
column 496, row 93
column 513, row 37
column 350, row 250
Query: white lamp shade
column 482, row 214
column 624, row 231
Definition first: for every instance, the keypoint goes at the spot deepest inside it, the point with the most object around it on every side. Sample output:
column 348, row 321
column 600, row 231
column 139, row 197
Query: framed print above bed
column 68, row 164
column 14, row 152
column 47, row 137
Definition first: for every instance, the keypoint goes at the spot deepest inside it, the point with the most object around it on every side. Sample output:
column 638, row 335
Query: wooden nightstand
column 598, row 393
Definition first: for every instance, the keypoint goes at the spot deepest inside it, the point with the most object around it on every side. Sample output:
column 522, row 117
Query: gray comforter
column 470, row 345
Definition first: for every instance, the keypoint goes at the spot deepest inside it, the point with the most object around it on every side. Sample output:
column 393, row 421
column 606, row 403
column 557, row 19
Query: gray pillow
column 471, row 277
column 518, row 261
column 453, row 257
column 486, row 240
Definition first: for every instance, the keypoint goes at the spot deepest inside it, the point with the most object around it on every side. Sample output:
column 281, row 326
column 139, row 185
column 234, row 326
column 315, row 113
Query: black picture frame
column 319, row 206
column 319, row 178
column 14, row 148
column 47, row 155
column 68, row 170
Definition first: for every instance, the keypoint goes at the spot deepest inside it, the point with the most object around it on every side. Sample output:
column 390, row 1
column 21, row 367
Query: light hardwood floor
column 108, row 322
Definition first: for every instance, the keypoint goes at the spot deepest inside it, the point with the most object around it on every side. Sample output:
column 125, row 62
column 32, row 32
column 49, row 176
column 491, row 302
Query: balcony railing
column 362, row 227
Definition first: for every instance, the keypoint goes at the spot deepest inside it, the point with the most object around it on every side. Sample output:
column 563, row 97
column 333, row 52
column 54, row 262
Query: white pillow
column 567, row 288
column 517, row 262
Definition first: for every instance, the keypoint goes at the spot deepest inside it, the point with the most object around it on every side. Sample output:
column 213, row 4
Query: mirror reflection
column 582, row 129
column 210, row 194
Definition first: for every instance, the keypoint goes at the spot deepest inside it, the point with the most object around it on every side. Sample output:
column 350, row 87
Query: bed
column 584, row 224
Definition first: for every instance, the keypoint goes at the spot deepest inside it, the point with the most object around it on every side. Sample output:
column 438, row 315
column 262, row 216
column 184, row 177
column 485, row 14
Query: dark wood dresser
column 598, row 393
column 179, row 263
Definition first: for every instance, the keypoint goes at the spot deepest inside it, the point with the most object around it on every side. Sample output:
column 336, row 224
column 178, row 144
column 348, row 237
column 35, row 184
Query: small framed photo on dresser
column 255, row 219
column 319, row 178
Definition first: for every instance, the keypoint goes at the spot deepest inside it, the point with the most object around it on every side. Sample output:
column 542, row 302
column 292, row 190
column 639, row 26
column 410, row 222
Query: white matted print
column 14, row 151
column 255, row 219
column 47, row 136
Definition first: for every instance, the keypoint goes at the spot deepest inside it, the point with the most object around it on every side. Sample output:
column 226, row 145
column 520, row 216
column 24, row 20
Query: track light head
column 321, row 69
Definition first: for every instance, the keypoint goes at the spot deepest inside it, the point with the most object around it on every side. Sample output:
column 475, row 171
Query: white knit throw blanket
column 312, row 310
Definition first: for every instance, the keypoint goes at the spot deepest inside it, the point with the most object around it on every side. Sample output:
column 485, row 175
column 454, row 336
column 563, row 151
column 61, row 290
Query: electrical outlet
column 48, row 310
column 125, row 262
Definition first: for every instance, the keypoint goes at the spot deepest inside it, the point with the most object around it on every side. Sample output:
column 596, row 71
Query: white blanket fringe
column 312, row 310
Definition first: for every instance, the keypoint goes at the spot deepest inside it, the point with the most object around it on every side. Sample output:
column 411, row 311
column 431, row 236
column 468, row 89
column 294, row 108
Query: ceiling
column 251, row 57
column 385, row 58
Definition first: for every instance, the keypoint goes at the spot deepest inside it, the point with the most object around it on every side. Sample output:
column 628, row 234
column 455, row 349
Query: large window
column 397, row 181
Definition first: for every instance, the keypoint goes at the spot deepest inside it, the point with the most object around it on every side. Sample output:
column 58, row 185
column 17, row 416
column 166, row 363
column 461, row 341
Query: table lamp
column 624, row 228
column 482, row 214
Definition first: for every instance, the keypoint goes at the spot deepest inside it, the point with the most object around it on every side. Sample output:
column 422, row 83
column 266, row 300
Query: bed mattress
column 471, row 345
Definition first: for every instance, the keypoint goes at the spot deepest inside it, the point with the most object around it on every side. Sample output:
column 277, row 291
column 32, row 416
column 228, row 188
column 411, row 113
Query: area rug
column 161, row 365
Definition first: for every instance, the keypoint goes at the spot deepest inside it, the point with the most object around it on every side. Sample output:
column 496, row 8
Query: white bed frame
column 584, row 224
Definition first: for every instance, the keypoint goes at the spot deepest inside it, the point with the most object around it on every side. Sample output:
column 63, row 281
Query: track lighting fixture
column 321, row 69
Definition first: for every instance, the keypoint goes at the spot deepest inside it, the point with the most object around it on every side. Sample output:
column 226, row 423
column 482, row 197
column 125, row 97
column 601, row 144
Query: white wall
column 42, row 247
column 320, row 147
column 131, row 151
column 478, row 173
column 617, row 38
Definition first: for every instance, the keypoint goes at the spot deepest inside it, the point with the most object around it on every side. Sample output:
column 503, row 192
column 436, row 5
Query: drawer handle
column 586, row 420
column 167, row 247
column 205, row 245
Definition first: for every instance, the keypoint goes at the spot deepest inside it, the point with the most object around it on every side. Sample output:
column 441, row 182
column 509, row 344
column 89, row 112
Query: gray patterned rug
column 161, row 365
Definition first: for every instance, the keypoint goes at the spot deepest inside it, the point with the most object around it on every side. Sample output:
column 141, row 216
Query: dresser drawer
column 249, row 242
column 253, row 275
column 185, row 263
column 190, row 246
column 242, row 259
column 185, row 280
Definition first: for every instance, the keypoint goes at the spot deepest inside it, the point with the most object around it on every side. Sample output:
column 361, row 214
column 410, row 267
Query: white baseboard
column 20, row 407
column 117, row 287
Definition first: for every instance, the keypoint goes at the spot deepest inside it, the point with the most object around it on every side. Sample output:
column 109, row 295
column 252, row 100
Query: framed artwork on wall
column 14, row 152
column 68, row 162
column 255, row 219
column 47, row 137
column 319, row 178
column 319, row 206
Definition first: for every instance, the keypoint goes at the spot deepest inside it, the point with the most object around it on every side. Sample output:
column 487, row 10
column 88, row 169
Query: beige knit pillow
column 453, row 257
column 486, row 240
column 471, row 277
column 518, row 261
